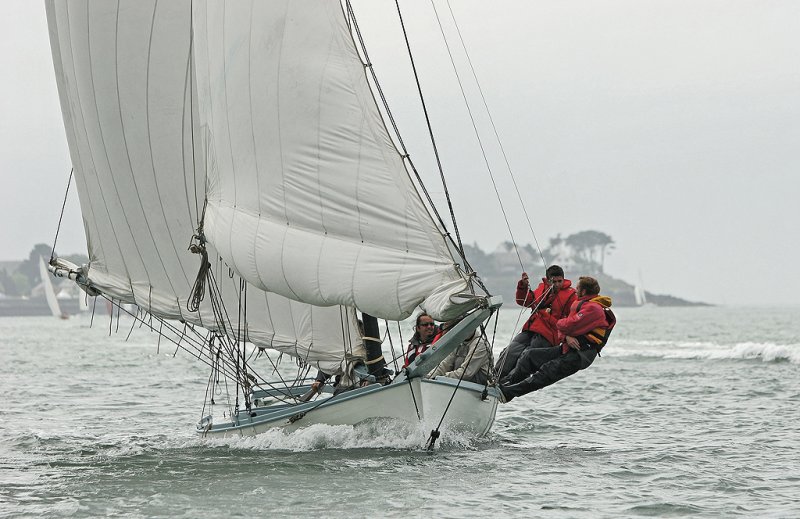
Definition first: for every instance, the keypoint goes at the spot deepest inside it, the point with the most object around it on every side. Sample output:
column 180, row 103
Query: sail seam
column 279, row 67
column 187, row 88
column 252, row 127
column 430, row 131
column 438, row 237
column 91, row 154
column 224, row 86
column 218, row 206
column 283, row 263
column 70, row 122
column 321, row 84
column 150, row 147
column 168, row 228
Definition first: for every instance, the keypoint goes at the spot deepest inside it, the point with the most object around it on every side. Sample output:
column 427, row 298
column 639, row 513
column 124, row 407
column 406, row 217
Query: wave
column 43, row 449
column 764, row 351
column 373, row 434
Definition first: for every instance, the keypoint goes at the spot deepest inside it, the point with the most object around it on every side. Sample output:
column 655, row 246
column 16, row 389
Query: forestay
column 308, row 196
column 125, row 79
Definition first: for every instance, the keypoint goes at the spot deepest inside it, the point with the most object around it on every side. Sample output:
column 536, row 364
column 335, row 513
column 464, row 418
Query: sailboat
column 239, row 184
column 49, row 293
column 639, row 295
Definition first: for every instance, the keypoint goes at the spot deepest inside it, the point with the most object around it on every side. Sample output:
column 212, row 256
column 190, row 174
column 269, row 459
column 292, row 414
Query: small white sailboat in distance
column 49, row 293
column 639, row 295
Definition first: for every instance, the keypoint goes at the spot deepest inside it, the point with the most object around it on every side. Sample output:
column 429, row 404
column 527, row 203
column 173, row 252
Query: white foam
column 375, row 434
column 765, row 351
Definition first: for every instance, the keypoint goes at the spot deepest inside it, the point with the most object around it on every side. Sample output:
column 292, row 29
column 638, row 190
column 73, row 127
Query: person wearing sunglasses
column 471, row 361
column 424, row 332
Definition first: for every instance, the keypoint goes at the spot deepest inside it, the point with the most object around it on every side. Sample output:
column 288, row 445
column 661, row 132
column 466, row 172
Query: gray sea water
column 689, row 412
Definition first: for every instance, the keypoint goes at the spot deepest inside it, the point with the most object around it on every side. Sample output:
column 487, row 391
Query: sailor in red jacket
column 583, row 334
column 550, row 301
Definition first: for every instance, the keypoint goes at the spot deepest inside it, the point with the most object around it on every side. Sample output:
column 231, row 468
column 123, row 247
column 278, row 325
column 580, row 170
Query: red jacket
column 542, row 321
column 593, row 315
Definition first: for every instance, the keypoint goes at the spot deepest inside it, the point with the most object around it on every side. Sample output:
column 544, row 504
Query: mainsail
column 237, row 145
column 125, row 79
column 307, row 196
column 254, row 123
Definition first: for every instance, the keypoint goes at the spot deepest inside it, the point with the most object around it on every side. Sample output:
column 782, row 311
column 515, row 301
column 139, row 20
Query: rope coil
column 198, row 292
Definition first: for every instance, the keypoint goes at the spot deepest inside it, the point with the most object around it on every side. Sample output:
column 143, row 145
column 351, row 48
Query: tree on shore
column 590, row 249
column 30, row 267
column 26, row 276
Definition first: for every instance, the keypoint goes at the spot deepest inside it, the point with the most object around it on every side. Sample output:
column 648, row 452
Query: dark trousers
column 540, row 367
column 510, row 357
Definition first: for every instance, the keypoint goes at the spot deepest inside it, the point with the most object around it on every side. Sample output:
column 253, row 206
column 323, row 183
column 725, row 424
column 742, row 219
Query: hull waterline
column 421, row 400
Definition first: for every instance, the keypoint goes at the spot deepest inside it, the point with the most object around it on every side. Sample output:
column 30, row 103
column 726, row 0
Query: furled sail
column 126, row 83
column 308, row 197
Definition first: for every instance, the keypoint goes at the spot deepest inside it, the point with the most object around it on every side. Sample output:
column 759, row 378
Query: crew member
column 582, row 335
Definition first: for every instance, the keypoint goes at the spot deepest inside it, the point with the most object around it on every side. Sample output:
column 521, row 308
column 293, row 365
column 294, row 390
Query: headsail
column 125, row 79
column 308, row 196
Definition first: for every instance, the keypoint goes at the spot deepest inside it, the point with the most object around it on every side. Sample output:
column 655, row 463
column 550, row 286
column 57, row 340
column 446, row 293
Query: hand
column 525, row 279
column 316, row 385
column 573, row 343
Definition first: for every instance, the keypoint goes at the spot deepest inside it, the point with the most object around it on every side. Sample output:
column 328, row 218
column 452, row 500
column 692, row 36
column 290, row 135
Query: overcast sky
column 673, row 126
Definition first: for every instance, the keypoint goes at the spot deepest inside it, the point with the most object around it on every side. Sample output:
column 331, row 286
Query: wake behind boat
column 239, row 184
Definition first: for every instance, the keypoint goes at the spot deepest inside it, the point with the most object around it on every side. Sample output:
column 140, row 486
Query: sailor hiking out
column 550, row 301
column 582, row 335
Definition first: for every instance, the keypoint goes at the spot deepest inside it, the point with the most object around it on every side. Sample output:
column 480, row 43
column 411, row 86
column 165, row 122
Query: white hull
column 421, row 400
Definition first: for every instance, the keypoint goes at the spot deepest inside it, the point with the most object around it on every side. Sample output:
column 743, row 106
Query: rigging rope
column 430, row 130
column 213, row 377
column 435, row 432
column 391, row 345
column 504, row 354
column 221, row 317
column 63, row 206
column 238, row 348
column 477, row 134
column 403, row 150
column 491, row 345
column 235, row 363
column 406, row 157
column 197, row 354
column 198, row 291
column 195, row 347
column 494, row 128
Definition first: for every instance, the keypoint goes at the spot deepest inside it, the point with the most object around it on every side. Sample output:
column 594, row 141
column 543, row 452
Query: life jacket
column 559, row 305
column 415, row 348
column 598, row 337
